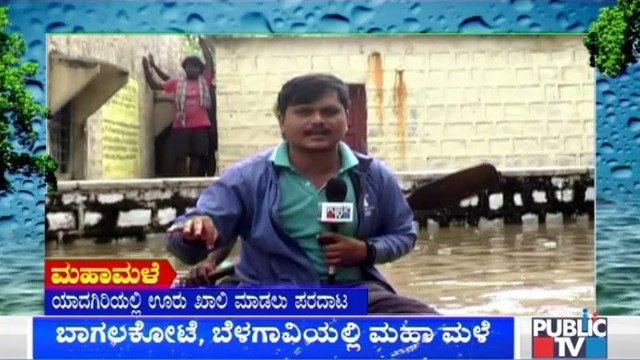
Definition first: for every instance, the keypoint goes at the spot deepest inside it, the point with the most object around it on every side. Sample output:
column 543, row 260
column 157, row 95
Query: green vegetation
column 18, row 110
column 191, row 45
column 613, row 40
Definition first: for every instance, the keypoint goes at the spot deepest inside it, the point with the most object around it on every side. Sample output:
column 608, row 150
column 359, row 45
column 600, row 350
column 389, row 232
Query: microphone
column 335, row 211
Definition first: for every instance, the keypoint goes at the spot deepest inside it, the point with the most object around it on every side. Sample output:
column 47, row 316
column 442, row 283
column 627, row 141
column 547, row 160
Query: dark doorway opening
column 356, row 136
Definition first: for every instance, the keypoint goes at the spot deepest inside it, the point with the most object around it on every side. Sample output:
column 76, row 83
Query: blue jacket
column 244, row 202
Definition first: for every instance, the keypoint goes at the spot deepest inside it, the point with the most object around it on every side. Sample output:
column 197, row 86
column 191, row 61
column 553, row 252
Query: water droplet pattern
column 22, row 212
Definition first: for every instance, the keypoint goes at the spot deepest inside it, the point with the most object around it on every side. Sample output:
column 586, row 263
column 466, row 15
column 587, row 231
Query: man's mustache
column 317, row 131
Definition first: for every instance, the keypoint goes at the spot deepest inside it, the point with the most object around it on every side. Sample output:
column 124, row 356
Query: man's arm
column 161, row 74
column 398, row 233
column 222, row 202
column 206, row 53
column 148, row 76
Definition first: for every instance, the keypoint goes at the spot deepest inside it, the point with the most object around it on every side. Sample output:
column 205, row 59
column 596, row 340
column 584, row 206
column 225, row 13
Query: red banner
column 108, row 274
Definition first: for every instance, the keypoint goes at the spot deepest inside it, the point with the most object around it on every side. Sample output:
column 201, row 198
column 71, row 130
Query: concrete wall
column 132, row 208
column 126, row 51
column 516, row 101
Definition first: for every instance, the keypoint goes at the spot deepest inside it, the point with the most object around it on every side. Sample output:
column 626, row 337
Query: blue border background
column 22, row 212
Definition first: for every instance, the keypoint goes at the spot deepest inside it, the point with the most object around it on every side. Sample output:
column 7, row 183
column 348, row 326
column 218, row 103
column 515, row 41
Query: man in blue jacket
column 271, row 201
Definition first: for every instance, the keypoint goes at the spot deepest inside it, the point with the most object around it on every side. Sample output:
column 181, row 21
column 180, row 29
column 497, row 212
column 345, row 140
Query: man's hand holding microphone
column 339, row 250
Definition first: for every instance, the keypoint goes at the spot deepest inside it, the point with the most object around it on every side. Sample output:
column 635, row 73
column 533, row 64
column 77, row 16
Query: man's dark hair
column 192, row 60
column 306, row 89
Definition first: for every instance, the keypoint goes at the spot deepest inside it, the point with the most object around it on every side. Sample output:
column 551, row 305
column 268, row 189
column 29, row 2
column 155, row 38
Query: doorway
column 356, row 136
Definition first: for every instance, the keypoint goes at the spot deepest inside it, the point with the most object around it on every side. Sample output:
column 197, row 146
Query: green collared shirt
column 298, row 209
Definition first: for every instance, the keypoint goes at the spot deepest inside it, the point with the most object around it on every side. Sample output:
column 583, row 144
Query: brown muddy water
column 527, row 269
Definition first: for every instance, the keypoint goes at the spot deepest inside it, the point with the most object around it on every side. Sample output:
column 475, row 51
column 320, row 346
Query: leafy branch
column 18, row 110
column 191, row 44
column 613, row 40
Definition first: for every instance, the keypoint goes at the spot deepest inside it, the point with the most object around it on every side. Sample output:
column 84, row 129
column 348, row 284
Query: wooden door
column 357, row 135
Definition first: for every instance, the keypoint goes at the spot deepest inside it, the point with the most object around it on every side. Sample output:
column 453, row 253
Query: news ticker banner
column 17, row 336
column 361, row 337
column 105, row 287
column 23, row 337
column 94, row 288
column 207, row 302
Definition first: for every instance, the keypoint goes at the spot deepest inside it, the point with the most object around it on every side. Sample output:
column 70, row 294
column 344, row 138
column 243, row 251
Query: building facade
column 105, row 71
column 422, row 103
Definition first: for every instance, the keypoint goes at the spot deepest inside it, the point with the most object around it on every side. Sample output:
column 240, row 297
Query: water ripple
column 618, row 257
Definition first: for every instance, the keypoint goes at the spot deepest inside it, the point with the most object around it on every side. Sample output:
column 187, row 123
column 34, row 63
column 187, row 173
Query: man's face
column 315, row 127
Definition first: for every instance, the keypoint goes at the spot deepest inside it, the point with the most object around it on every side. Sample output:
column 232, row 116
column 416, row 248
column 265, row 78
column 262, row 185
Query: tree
column 18, row 110
column 613, row 40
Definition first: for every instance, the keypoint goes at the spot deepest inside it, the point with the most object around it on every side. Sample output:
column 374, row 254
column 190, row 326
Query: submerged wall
column 132, row 208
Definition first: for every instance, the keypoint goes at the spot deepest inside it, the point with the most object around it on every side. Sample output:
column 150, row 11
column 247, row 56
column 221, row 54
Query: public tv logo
column 583, row 338
column 336, row 212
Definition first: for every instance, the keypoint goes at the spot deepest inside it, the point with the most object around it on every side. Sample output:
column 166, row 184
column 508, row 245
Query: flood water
column 618, row 257
column 493, row 269
column 21, row 278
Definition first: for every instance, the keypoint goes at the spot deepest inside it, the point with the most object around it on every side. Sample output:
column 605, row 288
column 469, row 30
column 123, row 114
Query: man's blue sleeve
column 398, row 234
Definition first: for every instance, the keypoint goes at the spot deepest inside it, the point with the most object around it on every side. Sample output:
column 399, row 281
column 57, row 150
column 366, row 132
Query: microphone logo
column 336, row 212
